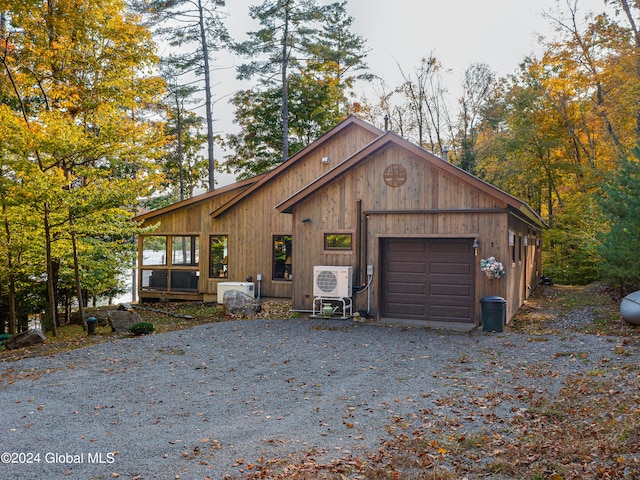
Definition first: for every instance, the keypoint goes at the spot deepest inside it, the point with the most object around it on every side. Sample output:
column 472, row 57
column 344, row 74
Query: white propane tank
column 630, row 308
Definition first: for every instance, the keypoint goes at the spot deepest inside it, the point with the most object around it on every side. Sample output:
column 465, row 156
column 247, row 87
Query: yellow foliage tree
column 568, row 119
column 79, row 88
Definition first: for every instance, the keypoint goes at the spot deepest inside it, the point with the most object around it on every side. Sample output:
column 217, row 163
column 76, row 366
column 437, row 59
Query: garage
column 428, row 279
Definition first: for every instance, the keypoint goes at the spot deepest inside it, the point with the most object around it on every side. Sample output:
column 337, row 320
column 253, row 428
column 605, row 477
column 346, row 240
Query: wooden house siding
column 255, row 221
column 429, row 204
column 381, row 192
column 432, row 201
column 308, row 164
column 526, row 268
column 192, row 219
column 248, row 216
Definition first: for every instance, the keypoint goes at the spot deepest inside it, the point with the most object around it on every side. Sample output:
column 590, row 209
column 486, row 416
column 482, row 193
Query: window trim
column 172, row 277
column 211, row 263
column 192, row 251
column 338, row 250
column 165, row 256
column 512, row 246
column 288, row 271
column 520, row 244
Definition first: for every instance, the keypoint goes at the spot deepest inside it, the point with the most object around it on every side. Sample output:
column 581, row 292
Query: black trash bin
column 91, row 325
column 494, row 313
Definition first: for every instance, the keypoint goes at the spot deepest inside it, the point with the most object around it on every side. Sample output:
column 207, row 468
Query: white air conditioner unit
column 332, row 281
column 246, row 287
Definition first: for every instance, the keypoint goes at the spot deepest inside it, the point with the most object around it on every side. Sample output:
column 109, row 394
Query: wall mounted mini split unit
column 332, row 281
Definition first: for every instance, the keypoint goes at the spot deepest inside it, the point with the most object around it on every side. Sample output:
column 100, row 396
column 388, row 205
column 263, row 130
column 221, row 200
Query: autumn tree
column 424, row 94
column 567, row 119
column 619, row 99
column 77, row 82
column 478, row 104
column 385, row 110
column 21, row 235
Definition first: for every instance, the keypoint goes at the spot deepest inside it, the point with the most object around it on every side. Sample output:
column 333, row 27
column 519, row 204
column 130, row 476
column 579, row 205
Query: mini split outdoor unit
column 332, row 281
column 246, row 287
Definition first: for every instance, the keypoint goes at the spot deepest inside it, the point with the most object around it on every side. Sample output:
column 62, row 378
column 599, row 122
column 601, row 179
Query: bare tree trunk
column 50, row 274
column 179, row 128
column 426, row 104
column 207, row 96
column 76, row 271
column 12, row 278
column 285, row 89
column 134, row 282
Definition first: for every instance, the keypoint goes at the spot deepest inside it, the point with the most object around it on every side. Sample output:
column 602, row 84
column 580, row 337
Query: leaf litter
column 534, row 402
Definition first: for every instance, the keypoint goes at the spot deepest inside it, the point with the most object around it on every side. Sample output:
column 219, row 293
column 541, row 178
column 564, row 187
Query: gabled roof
column 349, row 122
column 199, row 198
column 390, row 138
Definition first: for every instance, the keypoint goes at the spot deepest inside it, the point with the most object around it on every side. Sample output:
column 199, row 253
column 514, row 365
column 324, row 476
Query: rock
column 121, row 320
column 239, row 303
column 25, row 339
column 100, row 314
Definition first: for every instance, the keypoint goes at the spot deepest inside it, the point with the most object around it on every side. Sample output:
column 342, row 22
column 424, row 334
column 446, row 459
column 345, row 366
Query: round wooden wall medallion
column 395, row 175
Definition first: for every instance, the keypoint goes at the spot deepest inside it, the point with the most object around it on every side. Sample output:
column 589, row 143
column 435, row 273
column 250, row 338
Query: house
column 411, row 227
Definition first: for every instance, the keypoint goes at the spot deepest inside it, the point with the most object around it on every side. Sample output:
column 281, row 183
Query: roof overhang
column 390, row 139
column 241, row 185
column 349, row 122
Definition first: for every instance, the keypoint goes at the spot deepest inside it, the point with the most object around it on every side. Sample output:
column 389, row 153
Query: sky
column 500, row 33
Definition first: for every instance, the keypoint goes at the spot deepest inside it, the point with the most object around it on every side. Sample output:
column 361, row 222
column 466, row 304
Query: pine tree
column 621, row 241
column 305, row 62
column 194, row 30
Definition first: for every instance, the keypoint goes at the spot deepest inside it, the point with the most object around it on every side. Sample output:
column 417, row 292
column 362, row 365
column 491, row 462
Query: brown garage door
column 428, row 279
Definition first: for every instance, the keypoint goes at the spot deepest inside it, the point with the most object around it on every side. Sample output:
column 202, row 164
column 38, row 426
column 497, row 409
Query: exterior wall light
column 475, row 246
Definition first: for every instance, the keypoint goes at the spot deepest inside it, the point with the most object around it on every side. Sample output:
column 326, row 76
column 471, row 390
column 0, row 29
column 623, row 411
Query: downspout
column 365, row 229
column 361, row 254
column 362, row 228
column 359, row 243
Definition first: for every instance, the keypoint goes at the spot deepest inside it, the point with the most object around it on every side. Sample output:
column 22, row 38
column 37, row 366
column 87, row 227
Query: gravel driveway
column 207, row 401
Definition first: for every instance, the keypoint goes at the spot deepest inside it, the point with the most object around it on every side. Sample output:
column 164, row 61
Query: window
column 184, row 281
column 519, row 248
column 282, row 251
column 159, row 273
column 218, row 262
column 512, row 245
column 154, row 250
column 337, row 241
column 184, row 250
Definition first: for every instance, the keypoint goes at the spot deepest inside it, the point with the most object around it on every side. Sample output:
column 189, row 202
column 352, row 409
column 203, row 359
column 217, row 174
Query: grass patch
column 590, row 309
